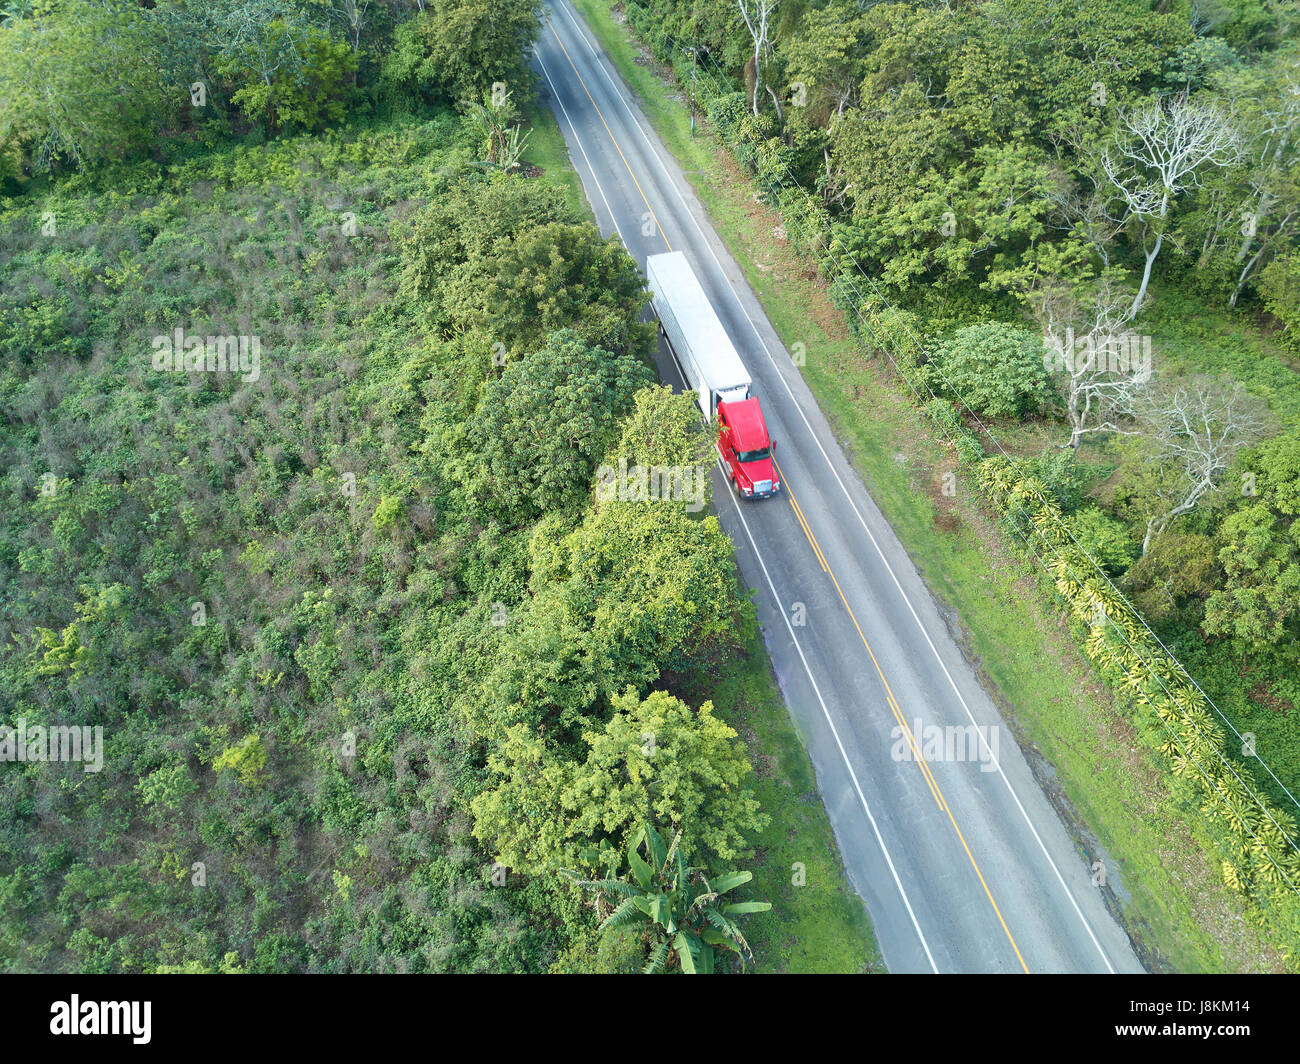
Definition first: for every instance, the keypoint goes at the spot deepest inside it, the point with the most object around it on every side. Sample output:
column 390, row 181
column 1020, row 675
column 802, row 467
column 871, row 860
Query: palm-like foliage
column 679, row 907
column 494, row 120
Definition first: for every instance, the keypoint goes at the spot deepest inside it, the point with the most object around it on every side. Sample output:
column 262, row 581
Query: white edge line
column 578, row 140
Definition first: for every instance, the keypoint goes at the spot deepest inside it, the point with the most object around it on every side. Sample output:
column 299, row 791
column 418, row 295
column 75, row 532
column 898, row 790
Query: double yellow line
column 803, row 523
column 613, row 139
column 912, row 741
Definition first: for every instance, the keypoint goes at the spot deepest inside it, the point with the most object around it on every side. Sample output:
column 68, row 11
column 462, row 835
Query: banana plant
column 679, row 908
column 494, row 122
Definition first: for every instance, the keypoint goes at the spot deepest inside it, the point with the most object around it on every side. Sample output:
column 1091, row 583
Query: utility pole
column 695, row 55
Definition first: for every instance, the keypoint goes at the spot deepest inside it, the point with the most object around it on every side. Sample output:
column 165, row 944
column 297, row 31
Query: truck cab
column 745, row 450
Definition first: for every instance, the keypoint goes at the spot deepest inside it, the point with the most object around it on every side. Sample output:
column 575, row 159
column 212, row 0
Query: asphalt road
column 963, row 863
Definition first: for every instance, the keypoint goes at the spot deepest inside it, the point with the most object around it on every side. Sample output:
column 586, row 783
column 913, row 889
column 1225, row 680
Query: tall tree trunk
column 1146, row 277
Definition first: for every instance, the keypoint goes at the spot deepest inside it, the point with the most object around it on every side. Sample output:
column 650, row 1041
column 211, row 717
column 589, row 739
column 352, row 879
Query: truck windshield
column 754, row 456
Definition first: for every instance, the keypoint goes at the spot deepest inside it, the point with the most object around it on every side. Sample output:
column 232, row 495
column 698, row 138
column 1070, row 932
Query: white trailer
column 699, row 344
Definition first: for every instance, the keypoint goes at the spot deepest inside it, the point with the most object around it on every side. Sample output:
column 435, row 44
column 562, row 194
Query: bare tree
column 352, row 13
column 1086, row 211
column 1097, row 359
column 1256, row 229
column 1195, row 427
column 1278, row 126
column 1155, row 156
column 756, row 14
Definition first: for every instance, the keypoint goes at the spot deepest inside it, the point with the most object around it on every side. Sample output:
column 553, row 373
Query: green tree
column 653, row 758
column 657, row 588
column 1171, row 582
column 458, row 238
column 288, row 73
column 995, row 368
column 663, row 429
column 80, row 82
column 1279, row 286
column 1258, row 605
column 542, row 425
column 560, row 275
column 1106, row 539
column 678, row 908
column 827, row 56
column 656, row 758
column 456, row 49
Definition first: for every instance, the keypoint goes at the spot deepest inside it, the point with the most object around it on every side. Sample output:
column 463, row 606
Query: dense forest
column 1114, row 181
column 305, row 383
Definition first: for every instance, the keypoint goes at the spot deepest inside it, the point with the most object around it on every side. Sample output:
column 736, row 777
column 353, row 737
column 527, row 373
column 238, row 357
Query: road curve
column 963, row 863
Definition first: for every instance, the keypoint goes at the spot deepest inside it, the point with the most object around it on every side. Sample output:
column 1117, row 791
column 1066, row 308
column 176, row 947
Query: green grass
column 547, row 151
column 1175, row 906
column 820, row 925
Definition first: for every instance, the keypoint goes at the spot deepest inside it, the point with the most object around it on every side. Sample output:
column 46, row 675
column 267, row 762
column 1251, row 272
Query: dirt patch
column 1262, row 694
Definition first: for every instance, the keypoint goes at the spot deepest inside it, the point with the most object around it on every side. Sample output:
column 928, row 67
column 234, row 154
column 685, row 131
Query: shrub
column 309, row 86
column 456, row 49
column 1279, row 286
column 1063, row 476
column 1105, row 538
column 994, row 368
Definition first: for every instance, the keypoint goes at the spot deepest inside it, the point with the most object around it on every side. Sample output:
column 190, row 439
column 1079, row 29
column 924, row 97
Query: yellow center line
column 612, row 138
column 893, row 705
column 807, row 532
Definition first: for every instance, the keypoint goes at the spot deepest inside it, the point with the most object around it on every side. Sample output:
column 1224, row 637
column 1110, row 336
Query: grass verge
column 547, row 151
column 820, row 924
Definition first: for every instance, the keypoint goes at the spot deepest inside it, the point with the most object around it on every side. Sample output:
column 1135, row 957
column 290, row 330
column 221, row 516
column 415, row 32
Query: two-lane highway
column 962, row 861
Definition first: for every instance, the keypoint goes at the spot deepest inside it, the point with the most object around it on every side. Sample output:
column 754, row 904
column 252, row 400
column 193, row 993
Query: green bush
column 1063, row 476
column 308, row 88
column 455, row 50
column 1105, row 538
column 994, row 368
column 1279, row 286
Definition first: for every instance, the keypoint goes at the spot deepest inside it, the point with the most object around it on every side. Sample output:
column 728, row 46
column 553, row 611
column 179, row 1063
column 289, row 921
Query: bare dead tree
column 352, row 13
column 1154, row 158
column 1256, row 230
column 1274, row 169
column 1195, row 427
column 1086, row 211
column 757, row 14
column 1097, row 360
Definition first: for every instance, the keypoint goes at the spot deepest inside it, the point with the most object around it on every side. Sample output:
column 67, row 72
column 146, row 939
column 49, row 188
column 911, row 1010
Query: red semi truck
column 745, row 450
column 714, row 372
